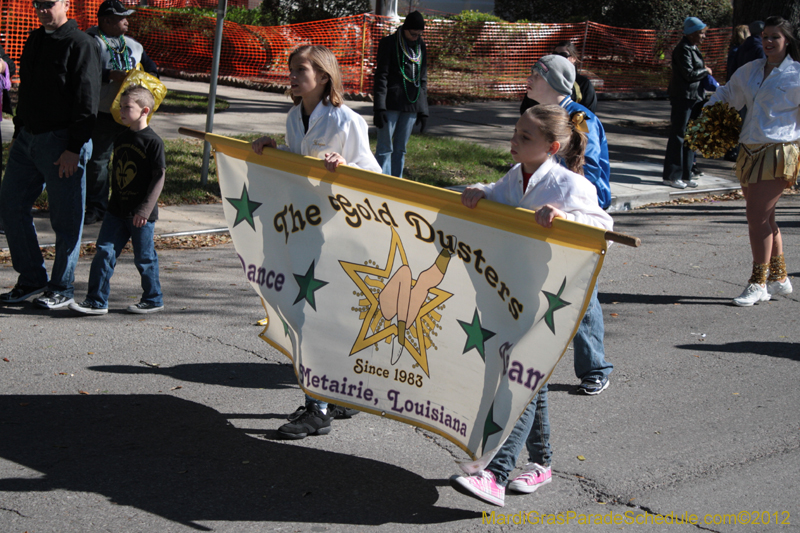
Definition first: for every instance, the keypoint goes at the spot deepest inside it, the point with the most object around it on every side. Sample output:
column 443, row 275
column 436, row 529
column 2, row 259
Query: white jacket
column 772, row 104
column 551, row 184
column 331, row 129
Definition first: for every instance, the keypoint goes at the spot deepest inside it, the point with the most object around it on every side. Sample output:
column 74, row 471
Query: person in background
column 58, row 95
column 752, row 47
column 401, row 92
column 118, row 55
column 738, row 36
column 7, row 71
column 688, row 71
column 582, row 90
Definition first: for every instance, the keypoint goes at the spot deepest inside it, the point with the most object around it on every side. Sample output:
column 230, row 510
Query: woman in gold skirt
column 768, row 158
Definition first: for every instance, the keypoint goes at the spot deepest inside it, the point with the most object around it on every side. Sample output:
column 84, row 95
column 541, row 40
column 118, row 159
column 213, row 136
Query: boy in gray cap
column 551, row 82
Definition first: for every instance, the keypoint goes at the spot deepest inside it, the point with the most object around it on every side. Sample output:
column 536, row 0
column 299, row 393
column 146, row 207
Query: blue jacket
column 596, row 168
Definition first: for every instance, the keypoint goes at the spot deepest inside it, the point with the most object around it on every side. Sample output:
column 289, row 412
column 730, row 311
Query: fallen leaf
column 614, row 314
column 581, row 458
column 89, row 353
column 82, row 392
column 153, row 365
column 6, row 359
column 176, row 388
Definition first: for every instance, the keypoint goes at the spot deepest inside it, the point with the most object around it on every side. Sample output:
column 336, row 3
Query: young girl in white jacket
column 540, row 184
column 320, row 126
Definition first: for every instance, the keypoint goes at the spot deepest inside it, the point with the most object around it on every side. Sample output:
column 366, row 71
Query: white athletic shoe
column 754, row 293
column 779, row 288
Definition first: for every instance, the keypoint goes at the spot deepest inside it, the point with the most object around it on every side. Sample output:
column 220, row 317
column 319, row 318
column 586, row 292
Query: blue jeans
column 106, row 130
column 532, row 429
column 392, row 139
column 590, row 353
column 322, row 405
column 29, row 171
column 114, row 234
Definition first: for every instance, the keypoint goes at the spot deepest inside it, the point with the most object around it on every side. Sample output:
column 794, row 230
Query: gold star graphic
column 374, row 328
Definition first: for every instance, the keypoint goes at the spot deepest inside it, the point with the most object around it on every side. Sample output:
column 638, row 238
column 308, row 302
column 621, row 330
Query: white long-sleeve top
column 773, row 104
column 551, row 184
column 330, row 129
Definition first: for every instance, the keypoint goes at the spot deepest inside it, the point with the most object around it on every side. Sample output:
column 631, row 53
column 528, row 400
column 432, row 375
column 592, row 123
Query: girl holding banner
column 320, row 126
column 540, row 184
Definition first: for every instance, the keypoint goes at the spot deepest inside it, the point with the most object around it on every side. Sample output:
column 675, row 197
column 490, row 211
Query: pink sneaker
column 533, row 477
column 483, row 485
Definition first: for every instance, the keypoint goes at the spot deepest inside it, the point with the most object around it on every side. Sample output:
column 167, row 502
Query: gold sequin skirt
column 773, row 161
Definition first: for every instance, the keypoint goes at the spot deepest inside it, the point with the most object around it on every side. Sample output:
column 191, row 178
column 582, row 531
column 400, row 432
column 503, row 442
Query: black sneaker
column 300, row 411
column 53, row 300
column 593, row 386
column 86, row 307
column 143, row 308
column 312, row 422
column 20, row 293
column 338, row 412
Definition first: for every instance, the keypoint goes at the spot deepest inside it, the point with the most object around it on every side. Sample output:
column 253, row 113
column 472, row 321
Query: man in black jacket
column 58, row 93
column 688, row 71
column 401, row 95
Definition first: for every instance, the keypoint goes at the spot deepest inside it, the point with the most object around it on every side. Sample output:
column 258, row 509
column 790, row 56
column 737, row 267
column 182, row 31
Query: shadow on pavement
column 660, row 299
column 787, row 350
column 185, row 462
column 239, row 375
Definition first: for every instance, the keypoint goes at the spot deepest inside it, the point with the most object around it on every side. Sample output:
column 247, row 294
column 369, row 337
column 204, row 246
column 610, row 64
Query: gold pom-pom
column 715, row 131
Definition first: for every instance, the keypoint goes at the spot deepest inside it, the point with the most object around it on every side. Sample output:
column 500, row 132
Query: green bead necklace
column 413, row 58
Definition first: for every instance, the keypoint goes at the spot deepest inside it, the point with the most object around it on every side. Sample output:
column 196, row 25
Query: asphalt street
column 124, row 423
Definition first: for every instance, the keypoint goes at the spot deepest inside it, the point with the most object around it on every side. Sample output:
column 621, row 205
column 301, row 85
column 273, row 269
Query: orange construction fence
column 465, row 59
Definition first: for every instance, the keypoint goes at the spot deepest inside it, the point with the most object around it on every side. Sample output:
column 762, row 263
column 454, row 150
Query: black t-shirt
column 138, row 166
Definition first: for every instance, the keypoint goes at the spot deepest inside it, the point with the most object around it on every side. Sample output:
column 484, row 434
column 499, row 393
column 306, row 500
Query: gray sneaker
column 678, row 184
column 53, row 300
column 143, row 308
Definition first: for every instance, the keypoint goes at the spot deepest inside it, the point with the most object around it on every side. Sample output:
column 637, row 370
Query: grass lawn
column 437, row 161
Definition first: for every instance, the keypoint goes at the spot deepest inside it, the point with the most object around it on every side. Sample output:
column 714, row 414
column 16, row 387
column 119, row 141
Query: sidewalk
column 636, row 154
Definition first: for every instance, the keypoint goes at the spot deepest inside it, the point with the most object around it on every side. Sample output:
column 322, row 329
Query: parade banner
column 393, row 298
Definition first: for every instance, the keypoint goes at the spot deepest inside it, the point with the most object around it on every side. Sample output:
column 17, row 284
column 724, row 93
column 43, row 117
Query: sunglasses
column 44, row 5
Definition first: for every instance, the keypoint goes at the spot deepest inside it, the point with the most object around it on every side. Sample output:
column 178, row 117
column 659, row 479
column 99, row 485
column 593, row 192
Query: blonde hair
column 739, row 34
column 324, row 62
column 141, row 95
column 555, row 124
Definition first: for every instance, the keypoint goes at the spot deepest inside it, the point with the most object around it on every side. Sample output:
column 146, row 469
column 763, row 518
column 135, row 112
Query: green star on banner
column 489, row 426
column 476, row 335
column 285, row 326
column 244, row 208
column 554, row 303
column 308, row 284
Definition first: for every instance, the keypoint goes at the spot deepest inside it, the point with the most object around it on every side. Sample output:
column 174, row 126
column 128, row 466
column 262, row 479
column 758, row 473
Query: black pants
column 679, row 158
